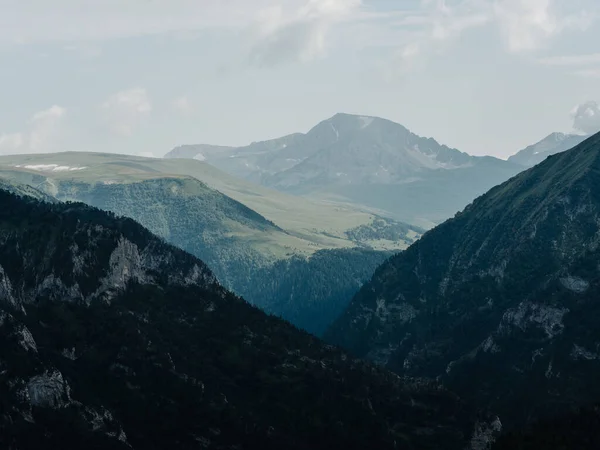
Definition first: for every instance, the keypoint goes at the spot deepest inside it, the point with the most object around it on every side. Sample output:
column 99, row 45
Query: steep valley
column 498, row 303
column 112, row 339
column 465, row 305
column 299, row 225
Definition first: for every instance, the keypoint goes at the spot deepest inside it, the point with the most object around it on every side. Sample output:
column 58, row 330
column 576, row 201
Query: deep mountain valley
column 113, row 339
column 474, row 339
column 299, row 225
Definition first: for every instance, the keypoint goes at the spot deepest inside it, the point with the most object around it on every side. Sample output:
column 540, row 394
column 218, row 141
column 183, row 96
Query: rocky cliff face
column 188, row 214
column 112, row 339
column 500, row 301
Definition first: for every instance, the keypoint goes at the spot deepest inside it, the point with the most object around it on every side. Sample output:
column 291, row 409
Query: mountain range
column 311, row 269
column 116, row 334
column 366, row 161
column 500, row 302
column 112, row 339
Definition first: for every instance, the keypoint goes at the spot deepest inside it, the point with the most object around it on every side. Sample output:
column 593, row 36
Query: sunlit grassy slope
column 309, row 225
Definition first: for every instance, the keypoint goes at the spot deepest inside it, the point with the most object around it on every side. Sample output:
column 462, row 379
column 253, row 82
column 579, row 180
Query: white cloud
column 45, row 128
column 11, row 143
column 445, row 28
column 23, row 21
column 182, row 105
column 588, row 73
column 410, row 51
column 447, row 22
column 280, row 31
column 275, row 30
column 525, row 24
column 299, row 33
column 571, row 60
column 576, row 61
column 43, row 135
column 435, row 25
column 84, row 50
column 528, row 24
column 404, row 60
column 53, row 113
column 586, row 117
column 126, row 110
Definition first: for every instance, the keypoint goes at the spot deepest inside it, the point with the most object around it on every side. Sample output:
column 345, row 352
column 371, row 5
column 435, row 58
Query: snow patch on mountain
column 50, row 167
column 365, row 121
column 335, row 130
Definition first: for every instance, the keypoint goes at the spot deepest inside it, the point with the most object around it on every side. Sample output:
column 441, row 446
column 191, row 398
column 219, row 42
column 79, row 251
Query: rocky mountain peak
column 553, row 143
column 368, row 161
column 353, row 122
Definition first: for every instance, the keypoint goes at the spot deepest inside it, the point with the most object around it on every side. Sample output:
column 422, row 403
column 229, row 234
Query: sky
column 143, row 76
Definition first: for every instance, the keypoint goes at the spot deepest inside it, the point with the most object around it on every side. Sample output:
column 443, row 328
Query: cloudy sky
column 141, row 76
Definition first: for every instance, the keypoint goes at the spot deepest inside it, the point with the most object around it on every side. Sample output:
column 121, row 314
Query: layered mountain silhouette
column 365, row 160
column 306, row 272
column 499, row 302
column 112, row 339
column 550, row 145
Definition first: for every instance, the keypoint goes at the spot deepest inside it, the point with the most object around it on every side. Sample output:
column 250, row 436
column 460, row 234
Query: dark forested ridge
column 112, row 339
column 578, row 430
column 235, row 241
column 311, row 292
column 186, row 213
column 500, row 302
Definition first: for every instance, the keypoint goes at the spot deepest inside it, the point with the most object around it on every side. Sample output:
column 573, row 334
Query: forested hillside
column 499, row 303
column 112, row 339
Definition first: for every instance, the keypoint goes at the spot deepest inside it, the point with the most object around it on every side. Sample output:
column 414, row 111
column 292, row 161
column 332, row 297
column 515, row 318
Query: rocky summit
column 112, row 339
column 364, row 160
column 501, row 301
